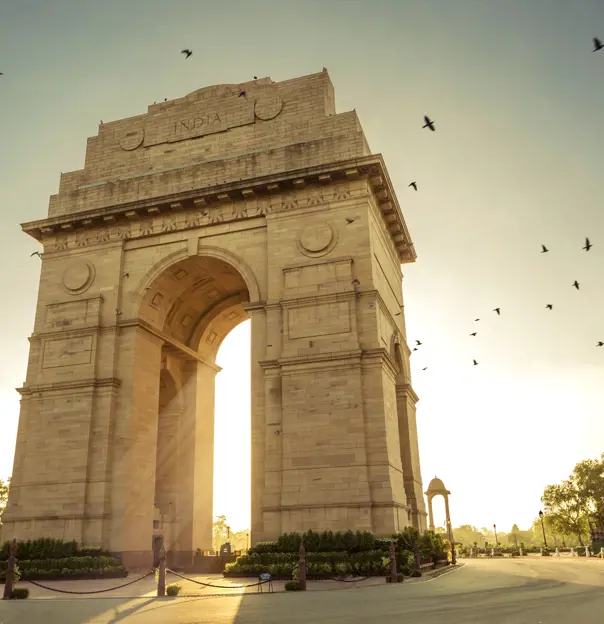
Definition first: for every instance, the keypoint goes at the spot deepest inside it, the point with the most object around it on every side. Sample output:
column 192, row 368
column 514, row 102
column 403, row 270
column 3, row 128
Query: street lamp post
column 542, row 527
column 496, row 540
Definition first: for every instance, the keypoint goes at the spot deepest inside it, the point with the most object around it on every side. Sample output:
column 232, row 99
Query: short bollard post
column 587, row 553
column 10, row 570
column 601, row 552
column 541, row 552
column 492, row 552
column 471, row 553
column 392, row 549
column 572, row 552
column 302, row 574
column 161, row 581
column 557, row 552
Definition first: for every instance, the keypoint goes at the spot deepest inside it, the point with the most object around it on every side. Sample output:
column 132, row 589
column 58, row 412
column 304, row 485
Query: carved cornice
column 250, row 199
column 61, row 386
column 408, row 391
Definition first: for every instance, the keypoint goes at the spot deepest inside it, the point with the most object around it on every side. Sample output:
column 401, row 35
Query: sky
column 516, row 162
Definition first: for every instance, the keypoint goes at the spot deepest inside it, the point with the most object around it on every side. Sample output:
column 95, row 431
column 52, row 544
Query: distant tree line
column 568, row 509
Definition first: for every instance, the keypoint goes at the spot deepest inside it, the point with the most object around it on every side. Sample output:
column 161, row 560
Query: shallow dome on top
column 437, row 486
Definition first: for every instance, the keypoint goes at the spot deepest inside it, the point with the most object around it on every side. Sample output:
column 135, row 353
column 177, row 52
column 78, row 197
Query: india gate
column 242, row 201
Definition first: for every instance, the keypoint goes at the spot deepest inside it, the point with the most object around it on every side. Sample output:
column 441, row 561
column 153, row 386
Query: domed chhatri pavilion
column 436, row 488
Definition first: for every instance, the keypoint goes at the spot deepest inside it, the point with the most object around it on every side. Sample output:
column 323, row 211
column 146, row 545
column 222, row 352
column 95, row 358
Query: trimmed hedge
column 50, row 548
column 67, row 568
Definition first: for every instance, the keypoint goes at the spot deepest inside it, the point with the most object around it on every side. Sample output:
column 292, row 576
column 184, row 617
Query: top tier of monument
column 211, row 137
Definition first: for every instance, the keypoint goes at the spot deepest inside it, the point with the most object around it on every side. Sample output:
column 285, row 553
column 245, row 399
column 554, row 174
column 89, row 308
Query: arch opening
column 190, row 306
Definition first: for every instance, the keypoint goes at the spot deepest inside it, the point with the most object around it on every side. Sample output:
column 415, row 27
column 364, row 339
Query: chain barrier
column 66, row 591
column 217, row 586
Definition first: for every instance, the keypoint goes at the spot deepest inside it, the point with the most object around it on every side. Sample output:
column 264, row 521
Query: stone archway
column 186, row 220
column 437, row 488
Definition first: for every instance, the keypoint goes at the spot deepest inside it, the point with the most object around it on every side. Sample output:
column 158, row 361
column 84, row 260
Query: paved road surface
column 508, row 591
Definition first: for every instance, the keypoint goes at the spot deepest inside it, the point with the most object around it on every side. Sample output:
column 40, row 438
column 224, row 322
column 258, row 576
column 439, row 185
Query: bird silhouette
column 187, row 53
column 414, row 349
column 576, row 284
column 588, row 245
column 418, row 343
column 498, row 310
column 36, row 253
column 126, row 275
column 397, row 314
column 1, row 74
column 476, row 320
column 349, row 220
column 474, row 334
column 414, row 185
column 475, row 362
column 549, row 306
column 255, row 77
column 600, row 344
column 429, row 123
column 242, row 94
column 425, row 368
column 597, row 45
column 544, row 249
column 117, row 312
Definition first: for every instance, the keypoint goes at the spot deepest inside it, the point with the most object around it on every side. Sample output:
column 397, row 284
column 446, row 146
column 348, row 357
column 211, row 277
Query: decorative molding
column 60, row 386
column 295, row 190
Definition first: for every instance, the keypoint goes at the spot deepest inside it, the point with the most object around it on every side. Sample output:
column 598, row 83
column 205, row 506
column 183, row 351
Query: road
column 497, row 591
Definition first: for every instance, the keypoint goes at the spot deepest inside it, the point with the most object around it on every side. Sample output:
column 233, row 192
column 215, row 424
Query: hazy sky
column 517, row 160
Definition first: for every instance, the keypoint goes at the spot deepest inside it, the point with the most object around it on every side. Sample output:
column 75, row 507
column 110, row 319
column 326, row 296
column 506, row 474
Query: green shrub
column 293, row 586
column 400, row 577
column 50, row 548
column 19, row 593
column 545, row 553
column 406, row 571
column 416, row 573
column 71, row 567
column 173, row 590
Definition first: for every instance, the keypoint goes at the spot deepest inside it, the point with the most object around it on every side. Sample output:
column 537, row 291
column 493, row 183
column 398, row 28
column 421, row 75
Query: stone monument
column 239, row 201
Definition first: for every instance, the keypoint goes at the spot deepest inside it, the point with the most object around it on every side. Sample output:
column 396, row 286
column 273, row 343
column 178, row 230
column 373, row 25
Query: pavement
column 530, row 590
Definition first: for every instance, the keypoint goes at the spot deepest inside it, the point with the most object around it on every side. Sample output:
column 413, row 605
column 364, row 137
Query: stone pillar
column 406, row 400
column 134, row 447
column 448, row 518
column 258, row 352
column 430, row 514
column 196, row 462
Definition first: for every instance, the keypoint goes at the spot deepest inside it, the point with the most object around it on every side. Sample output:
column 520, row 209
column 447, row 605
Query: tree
column 588, row 478
column 220, row 532
column 3, row 496
column 566, row 509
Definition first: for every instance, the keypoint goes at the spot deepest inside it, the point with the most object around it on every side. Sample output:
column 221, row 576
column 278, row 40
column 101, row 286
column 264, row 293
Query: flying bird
column 36, row 253
column 126, row 275
column 475, row 362
column 600, row 344
column 498, row 310
column 418, row 343
column 476, row 320
column 549, row 306
column 187, row 53
column 255, row 77
column 429, row 123
column 242, row 94
column 576, row 284
column 425, row 368
column 544, row 249
column 588, row 245
column 349, row 220
column 117, row 312
column 414, row 349
column 474, row 334
column 414, row 185
column 397, row 314
column 597, row 44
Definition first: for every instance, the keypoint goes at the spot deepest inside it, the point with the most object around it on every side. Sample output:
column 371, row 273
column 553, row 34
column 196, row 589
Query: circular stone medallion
column 131, row 140
column 267, row 107
column 78, row 277
column 316, row 239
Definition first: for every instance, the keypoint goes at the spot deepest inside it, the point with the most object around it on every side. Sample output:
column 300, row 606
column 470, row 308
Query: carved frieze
column 251, row 206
